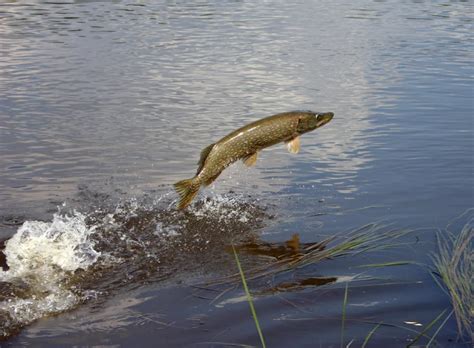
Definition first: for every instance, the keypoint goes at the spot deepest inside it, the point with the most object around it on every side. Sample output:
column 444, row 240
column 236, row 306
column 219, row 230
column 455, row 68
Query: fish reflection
column 290, row 249
column 283, row 254
column 300, row 284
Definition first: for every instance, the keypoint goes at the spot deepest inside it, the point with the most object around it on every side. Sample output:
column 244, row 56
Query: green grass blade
column 249, row 298
column 389, row 264
column 434, row 321
column 454, row 269
column 344, row 305
column 439, row 328
column 225, row 344
column 370, row 335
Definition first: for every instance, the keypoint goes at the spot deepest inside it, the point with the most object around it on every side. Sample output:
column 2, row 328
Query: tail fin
column 187, row 190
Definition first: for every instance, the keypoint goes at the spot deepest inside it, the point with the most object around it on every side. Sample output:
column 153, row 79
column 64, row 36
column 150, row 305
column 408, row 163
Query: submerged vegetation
column 293, row 254
column 249, row 298
column 454, row 273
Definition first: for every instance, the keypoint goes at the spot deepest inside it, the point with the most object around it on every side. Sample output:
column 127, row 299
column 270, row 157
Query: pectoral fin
column 250, row 160
column 294, row 145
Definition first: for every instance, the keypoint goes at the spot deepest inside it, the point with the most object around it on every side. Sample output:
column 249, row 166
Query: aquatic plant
column 428, row 327
column 369, row 335
column 249, row 298
column 454, row 272
column 370, row 237
column 344, row 308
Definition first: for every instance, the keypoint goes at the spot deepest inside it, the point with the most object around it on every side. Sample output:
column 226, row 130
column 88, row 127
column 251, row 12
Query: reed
column 371, row 237
column 369, row 335
column 454, row 264
column 344, row 308
column 249, row 297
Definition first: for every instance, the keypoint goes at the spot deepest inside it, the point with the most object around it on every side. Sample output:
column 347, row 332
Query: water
column 103, row 105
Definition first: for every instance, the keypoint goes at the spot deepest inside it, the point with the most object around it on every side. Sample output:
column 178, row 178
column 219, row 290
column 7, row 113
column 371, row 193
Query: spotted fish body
column 245, row 143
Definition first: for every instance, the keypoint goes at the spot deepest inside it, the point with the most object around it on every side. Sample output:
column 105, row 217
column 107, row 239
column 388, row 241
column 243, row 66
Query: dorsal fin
column 204, row 153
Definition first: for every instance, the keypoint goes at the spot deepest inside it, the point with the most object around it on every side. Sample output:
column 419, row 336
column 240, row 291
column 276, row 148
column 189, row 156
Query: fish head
column 308, row 120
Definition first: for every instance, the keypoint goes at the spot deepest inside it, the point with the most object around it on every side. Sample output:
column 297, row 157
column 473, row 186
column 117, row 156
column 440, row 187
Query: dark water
column 103, row 105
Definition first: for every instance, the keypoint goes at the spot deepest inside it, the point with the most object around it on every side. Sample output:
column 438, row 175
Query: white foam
column 41, row 255
column 48, row 248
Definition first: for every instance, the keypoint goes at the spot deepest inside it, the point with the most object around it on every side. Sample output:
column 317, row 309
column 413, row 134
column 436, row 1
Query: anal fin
column 294, row 145
column 251, row 159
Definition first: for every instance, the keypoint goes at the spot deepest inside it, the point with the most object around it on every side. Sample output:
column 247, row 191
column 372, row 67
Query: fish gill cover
column 76, row 257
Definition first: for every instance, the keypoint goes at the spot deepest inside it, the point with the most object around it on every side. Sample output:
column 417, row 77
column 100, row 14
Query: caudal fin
column 187, row 190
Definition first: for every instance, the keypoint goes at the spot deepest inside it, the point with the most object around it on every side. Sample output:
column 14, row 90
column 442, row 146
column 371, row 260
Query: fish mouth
column 323, row 118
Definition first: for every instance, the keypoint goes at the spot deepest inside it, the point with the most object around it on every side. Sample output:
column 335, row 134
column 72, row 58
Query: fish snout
column 323, row 117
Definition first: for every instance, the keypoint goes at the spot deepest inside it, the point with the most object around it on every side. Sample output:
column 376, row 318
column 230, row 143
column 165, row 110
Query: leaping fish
column 245, row 143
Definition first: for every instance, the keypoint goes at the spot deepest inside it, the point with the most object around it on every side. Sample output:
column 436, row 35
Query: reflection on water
column 303, row 283
column 289, row 249
column 188, row 79
column 83, row 99
column 123, row 95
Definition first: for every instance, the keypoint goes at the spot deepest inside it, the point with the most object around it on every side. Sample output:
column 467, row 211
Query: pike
column 245, row 143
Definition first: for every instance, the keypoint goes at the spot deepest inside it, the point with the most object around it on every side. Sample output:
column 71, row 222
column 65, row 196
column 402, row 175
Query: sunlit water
column 103, row 105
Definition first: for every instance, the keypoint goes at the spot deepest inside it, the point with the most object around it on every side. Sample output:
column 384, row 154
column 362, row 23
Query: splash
column 41, row 249
column 77, row 257
column 40, row 257
column 223, row 207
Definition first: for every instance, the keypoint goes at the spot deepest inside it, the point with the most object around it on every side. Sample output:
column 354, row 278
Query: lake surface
column 105, row 104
